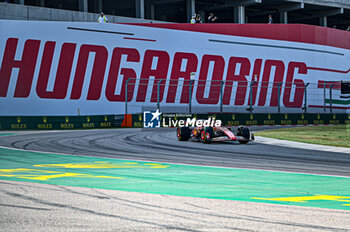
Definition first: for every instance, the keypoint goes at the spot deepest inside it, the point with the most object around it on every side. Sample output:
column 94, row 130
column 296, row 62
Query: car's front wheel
column 245, row 133
column 207, row 135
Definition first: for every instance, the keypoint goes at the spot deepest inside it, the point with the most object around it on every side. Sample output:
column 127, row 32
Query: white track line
column 308, row 146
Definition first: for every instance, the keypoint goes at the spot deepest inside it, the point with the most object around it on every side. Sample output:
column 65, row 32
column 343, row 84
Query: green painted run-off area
column 173, row 179
column 6, row 134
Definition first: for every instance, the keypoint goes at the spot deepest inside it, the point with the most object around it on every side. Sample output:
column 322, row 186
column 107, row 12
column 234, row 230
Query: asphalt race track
column 161, row 145
column 44, row 204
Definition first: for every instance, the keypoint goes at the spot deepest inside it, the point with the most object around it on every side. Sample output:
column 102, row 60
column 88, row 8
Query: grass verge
column 338, row 135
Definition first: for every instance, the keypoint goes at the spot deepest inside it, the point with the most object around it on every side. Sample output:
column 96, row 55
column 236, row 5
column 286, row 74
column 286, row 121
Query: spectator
column 212, row 18
column 102, row 18
column 348, row 29
column 198, row 18
column 270, row 19
column 193, row 19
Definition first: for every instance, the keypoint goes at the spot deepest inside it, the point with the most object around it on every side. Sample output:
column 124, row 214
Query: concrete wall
column 20, row 12
column 329, row 3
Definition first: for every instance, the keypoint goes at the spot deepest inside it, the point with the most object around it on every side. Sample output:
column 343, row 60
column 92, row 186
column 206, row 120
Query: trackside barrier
column 56, row 122
column 256, row 119
column 136, row 120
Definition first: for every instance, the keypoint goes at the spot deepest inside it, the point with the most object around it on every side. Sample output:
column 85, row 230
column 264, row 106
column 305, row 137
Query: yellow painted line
column 38, row 174
column 304, row 199
column 93, row 165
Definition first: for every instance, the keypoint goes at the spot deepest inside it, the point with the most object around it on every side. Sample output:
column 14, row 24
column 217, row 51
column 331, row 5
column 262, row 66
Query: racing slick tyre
column 183, row 133
column 207, row 134
column 245, row 133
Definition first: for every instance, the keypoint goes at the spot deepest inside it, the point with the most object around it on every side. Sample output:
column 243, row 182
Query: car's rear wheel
column 183, row 133
column 207, row 135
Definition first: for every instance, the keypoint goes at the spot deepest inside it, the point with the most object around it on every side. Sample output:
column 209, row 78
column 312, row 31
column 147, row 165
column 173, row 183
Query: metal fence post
column 158, row 94
column 279, row 97
column 126, row 95
column 305, row 95
column 330, row 97
column 251, row 96
column 221, row 95
column 190, row 97
column 324, row 96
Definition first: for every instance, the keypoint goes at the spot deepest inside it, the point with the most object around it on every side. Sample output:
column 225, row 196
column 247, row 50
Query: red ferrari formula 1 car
column 215, row 134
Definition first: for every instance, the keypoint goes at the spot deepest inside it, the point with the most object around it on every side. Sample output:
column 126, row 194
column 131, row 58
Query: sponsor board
column 56, row 122
column 165, row 120
column 59, row 68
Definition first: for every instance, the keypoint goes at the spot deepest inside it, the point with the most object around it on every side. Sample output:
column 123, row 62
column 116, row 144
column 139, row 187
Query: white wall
column 142, row 39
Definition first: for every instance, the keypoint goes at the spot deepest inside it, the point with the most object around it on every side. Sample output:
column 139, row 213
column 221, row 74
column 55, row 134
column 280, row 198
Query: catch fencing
column 202, row 96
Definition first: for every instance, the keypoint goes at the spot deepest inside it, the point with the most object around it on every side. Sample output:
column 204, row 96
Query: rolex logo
column 67, row 119
column 45, row 119
column 269, row 116
column 234, row 116
column 88, row 118
column 18, row 119
column 106, row 118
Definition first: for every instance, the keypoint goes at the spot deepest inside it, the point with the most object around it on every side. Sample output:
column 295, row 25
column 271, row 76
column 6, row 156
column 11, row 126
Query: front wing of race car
column 227, row 135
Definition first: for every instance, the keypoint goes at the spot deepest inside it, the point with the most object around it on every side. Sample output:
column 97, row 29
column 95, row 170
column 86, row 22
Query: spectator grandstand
column 328, row 13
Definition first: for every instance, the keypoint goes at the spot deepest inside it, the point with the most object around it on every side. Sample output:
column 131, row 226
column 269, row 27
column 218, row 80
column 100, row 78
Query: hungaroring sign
column 59, row 68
